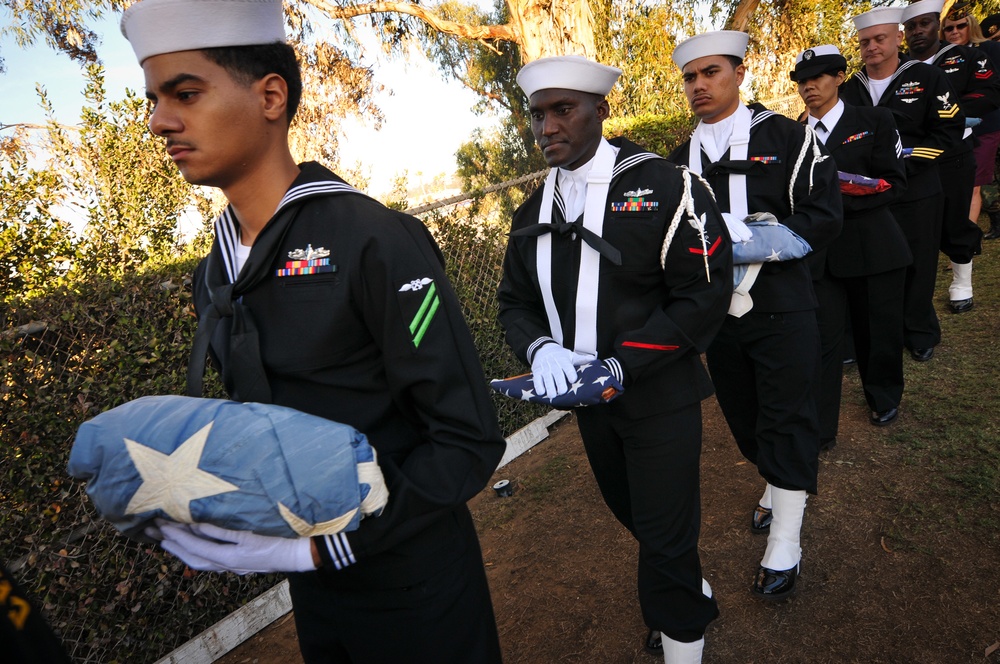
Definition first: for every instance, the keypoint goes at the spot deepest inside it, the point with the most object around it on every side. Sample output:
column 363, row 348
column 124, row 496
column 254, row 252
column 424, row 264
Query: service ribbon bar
column 634, row 205
column 298, row 268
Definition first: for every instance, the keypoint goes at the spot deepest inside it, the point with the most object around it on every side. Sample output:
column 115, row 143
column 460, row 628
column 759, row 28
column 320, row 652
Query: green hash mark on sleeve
column 424, row 316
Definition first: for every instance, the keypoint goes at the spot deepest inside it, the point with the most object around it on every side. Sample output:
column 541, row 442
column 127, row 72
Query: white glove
column 209, row 548
column 552, row 370
column 579, row 359
column 738, row 230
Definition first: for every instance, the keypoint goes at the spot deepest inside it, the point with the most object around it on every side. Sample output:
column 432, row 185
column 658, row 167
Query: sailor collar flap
column 225, row 284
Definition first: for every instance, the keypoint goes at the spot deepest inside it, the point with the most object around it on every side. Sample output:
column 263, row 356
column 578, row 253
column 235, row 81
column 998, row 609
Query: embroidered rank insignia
column 856, row 137
column 767, row 159
column 948, row 109
column 634, row 204
column 425, row 310
column 299, row 268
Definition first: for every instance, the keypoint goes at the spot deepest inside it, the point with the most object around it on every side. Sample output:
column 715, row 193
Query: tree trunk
column 740, row 17
column 553, row 27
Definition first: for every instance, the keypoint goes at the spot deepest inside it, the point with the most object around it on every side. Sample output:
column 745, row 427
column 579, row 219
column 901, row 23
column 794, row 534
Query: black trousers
column 920, row 221
column 444, row 617
column 874, row 305
column 648, row 472
column 765, row 368
column 961, row 238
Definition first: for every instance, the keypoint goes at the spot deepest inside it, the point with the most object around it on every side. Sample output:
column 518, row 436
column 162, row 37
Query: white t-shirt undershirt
column 242, row 254
column 876, row 87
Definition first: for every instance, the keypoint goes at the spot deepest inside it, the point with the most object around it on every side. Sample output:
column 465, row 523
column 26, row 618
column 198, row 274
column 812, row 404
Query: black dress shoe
column 654, row 643
column 827, row 444
column 922, row 354
column 773, row 585
column 760, row 522
column 960, row 306
column 881, row 418
column 849, row 361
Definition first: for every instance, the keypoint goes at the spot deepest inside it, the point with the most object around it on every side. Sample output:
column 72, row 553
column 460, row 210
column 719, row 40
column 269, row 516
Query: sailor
column 765, row 360
column 623, row 258
column 861, row 275
column 959, row 26
column 318, row 298
column 973, row 77
column 930, row 121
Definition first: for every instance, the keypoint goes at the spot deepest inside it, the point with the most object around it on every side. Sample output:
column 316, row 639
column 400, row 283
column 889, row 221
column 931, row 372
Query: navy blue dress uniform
column 860, row 277
column 778, row 336
column 654, row 320
column 926, row 111
column 765, row 360
column 343, row 310
column 318, row 298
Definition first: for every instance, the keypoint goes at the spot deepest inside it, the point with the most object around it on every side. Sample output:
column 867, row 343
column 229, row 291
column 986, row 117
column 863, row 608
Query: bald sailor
column 769, row 174
column 622, row 258
column 930, row 122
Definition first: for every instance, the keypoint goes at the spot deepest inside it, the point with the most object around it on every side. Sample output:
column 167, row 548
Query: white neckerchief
column 598, row 183
column 738, row 146
column 829, row 121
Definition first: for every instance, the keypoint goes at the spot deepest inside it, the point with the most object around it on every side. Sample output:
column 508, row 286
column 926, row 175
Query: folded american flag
column 243, row 466
column 594, row 384
column 853, row 184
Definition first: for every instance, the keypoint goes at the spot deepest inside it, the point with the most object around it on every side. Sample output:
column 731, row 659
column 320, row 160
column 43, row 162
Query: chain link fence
column 66, row 357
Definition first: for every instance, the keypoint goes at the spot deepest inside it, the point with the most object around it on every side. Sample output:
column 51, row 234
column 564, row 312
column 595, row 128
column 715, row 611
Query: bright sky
column 427, row 118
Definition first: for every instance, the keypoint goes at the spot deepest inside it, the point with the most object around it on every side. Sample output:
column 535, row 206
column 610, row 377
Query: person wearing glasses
column 961, row 27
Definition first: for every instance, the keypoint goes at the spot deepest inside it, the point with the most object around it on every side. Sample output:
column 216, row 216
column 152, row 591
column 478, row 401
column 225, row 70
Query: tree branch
column 740, row 17
column 481, row 33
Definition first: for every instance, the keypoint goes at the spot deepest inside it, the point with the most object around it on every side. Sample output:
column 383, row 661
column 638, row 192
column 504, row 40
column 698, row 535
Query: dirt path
column 562, row 570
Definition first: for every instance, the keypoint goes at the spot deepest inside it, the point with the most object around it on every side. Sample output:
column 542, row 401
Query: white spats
column 677, row 652
column 961, row 281
column 787, row 508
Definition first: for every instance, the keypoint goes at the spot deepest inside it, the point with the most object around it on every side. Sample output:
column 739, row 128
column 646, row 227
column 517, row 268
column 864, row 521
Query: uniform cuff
column 335, row 551
column 535, row 345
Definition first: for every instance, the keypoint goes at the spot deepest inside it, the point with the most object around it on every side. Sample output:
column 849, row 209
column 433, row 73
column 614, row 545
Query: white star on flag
column 171, row 481
column 775, row 255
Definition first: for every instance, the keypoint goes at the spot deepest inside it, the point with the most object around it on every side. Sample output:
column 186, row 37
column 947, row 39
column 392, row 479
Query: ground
column 562, row 570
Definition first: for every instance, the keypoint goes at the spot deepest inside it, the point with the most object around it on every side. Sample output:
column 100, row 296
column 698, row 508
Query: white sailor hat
column 879, row 16
column 154, row 27
column 719, row 42
column 920, row 8
column 818, row 60
column 567, row 72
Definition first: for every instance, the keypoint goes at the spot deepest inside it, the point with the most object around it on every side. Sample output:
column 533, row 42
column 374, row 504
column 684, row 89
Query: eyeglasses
column 956, row 26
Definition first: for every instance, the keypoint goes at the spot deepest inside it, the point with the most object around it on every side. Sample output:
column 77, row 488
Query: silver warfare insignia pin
column 308, row 253
column 637, row 192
